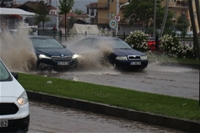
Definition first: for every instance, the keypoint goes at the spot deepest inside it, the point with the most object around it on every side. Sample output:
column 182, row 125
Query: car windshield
column 45, row 43
column 119, row 44
column 4, row 74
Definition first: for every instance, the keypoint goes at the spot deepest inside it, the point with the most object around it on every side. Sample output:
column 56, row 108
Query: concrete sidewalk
column 154, row 119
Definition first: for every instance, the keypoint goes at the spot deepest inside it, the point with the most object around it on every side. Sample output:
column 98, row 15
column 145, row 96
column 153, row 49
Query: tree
column 65, row 7
column 168, row 26
column 6, row 3
column 71, row 21
column 79, row 12
column 41, row 14
column 182, row 25
column 142, row 12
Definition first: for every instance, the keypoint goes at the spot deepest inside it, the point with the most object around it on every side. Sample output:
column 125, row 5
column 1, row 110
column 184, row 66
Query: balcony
column 179, row 5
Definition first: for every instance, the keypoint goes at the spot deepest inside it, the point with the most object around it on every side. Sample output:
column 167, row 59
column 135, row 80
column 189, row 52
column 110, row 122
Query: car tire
column 116, row 67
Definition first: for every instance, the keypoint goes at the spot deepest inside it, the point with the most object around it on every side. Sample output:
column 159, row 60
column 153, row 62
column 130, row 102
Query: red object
column 16, row 16
column 152, row 43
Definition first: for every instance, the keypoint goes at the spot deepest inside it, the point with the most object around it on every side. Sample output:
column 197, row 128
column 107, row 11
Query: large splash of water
column 17, row 51
column 91, row 58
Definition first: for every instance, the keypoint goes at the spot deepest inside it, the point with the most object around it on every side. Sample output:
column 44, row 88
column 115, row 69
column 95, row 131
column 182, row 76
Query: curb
column 169, row 122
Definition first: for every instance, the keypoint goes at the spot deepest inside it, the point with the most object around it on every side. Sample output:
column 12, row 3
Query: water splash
column 17, row 51
column 92, row 58
column 160, row 58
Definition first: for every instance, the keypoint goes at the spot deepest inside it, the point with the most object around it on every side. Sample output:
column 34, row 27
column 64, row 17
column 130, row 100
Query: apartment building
column 106, row 10
column 181, row 8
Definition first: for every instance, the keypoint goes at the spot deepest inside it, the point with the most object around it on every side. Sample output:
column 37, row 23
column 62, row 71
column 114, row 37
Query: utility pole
column 154, row 24
column 198, row 12
column 198, row 17
column 165, row 17
column 57, row 17
column 117, row 12
column 195, row 36
column 118, row 7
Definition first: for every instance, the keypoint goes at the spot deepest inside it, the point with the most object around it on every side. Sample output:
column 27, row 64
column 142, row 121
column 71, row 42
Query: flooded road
column 46, row 118
column 167, row 80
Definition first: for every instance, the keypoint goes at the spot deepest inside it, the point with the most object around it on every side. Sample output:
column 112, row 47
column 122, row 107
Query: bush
column 137, row 40
column 171, row 46
column 187, row 52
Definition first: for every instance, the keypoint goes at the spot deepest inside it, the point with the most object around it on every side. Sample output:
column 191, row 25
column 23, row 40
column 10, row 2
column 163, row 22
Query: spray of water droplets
column 17, row 51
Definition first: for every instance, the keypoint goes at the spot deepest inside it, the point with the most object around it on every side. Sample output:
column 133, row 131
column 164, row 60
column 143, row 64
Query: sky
column 79, row 4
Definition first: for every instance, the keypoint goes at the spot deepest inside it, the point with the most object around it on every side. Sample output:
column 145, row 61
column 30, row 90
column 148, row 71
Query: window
column 92, row 12
column 109, row 15
column 52, row 12
column 183, row 15
column 4, row 74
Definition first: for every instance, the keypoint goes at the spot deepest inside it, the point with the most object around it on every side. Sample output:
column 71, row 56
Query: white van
column 14, row 105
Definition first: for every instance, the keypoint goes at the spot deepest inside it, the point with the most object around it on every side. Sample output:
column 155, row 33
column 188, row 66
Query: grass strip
column 177, row 107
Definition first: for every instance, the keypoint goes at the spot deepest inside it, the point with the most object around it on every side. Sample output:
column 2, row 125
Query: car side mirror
column 15, row 75
column 64, row 46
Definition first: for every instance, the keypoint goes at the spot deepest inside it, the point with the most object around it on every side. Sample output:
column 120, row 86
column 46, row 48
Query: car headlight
column 42, row 56
column 23, row 99
column 144, row 57
column 75, row 56
column 121, row 58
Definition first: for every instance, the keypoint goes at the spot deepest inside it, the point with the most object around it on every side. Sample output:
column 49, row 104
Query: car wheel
column 42, row 68
column 116, row 67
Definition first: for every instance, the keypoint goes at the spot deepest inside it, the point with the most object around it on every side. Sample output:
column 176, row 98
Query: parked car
column 122, row 56
column 51, row 54
column 14, row 104
column 152, row 43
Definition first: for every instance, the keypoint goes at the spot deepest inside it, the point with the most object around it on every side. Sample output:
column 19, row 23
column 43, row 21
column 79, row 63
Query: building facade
column 106, row 10
column 181, row 8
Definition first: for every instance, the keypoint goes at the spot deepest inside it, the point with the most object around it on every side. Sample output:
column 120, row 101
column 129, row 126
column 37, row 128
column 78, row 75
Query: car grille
column 133, row 57
column 8, row 108
column 59, row 58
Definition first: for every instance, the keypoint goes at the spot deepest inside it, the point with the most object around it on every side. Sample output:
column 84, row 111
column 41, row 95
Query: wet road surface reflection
column 46, row 118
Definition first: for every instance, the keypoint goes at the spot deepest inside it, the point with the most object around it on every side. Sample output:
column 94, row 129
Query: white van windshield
column 4, row 74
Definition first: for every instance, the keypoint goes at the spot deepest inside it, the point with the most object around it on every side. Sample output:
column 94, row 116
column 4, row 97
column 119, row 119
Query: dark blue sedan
column 52, row 54
column 121, row 55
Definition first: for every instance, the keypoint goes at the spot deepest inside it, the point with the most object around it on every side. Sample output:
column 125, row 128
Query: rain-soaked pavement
column 46, row 118
column 167, row 80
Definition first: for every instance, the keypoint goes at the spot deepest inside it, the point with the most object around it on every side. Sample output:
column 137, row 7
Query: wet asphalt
column 46, row 118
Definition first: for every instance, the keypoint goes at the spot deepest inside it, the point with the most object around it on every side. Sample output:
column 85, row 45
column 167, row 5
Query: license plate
column 135, row 63
column 3, row 123
column 63, row 63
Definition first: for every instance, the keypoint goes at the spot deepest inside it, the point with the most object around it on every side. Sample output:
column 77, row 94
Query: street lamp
column 118, row 7
column 57, row 17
